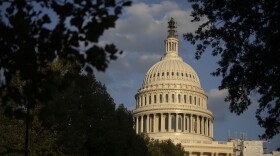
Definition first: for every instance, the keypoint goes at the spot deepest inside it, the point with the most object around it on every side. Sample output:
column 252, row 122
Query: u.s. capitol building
column 172, row 105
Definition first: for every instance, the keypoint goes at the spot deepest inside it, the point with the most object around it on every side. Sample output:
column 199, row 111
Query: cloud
column 127, row 85
column 140, row 33
column 217, row 104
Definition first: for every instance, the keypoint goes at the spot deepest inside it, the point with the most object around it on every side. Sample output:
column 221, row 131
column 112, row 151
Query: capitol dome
column 173, row 69
column 171, row 103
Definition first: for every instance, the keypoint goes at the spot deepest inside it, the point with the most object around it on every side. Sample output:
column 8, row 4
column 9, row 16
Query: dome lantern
column 172, row 43
column 172, row 29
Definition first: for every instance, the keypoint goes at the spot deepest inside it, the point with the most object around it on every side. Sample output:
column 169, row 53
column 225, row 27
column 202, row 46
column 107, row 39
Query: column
column 191, row 124
column 176, row 121
column 169, row 122
column 198, row 125
column 212, row 129
column 148, row 123
column 202, row 125
column 188, row 123
column 157, row 96
column 207, row 127
column 142, row 123
column 137, row 124
column 162, row 123
column 183, row 123
column 154, row 123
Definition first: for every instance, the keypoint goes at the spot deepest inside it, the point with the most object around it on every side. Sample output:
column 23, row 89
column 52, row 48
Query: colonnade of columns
column 180, row 98
column 171, row 46
column 174, row 122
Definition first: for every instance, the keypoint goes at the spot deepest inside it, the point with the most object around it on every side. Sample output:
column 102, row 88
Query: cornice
column 172, row 108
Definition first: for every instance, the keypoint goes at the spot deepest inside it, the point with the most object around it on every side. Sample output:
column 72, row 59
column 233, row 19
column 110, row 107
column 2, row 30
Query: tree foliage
column 42, row 142
column 245, row 35
column 84, row 115
column 80, row 119
column 163, row 148
column 35, row 33
column 11, row 136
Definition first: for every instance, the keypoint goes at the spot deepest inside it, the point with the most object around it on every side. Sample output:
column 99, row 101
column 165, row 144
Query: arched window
column 185, row 98
column 167, row 73
column 150, row 99
column 141, row 101
column 173, row 98
column 162, row 74
column 190, row 99
column 179, row 98
column 199, row 101
column 172, row 73
column 155, row 98
column 145, row 100
column 195, row 100
column 166, row 97
column 160, row 98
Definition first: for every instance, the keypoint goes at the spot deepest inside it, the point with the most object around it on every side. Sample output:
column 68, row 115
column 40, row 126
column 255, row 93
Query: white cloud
column 142, row 30
column 140, row 33
column 127, row 85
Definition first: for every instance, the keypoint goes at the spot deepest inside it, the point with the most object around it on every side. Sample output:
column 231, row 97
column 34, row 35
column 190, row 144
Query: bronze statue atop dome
column 172, row 28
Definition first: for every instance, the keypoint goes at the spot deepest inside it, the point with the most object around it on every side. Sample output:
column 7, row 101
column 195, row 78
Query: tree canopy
column 35, row 33
column 245, row 36
column 85, row 116
column 80, row 119
column 163, row 148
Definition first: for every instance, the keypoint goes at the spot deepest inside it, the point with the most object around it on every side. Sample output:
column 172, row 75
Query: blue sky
column 140, row 33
